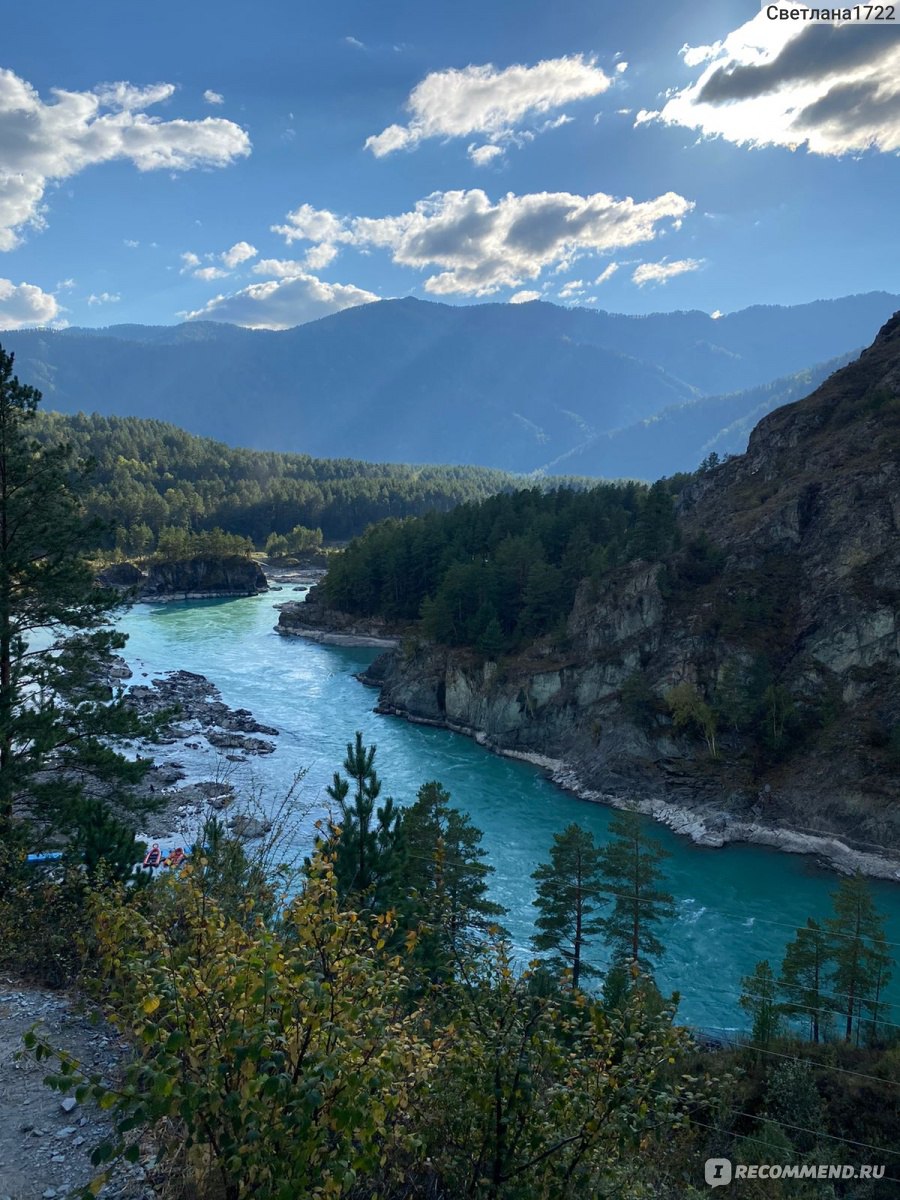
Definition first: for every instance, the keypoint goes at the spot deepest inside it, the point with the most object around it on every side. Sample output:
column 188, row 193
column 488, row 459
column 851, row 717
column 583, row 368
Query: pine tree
column 445, row 877
column 804, row 972
column 58, row 726
column 630, row 872
column 367, row 842
column 759, row 999
column 858, row 950
column 568, row 897
column 881, row 971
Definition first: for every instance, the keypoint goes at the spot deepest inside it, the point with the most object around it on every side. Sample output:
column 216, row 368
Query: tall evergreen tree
column 446, row 878
column 759, row 998
column 366, row 846
column 881, row 972
column 858, row 951
column 630, row 873
column 804, row 976
column 58, row 726
column 568, row 896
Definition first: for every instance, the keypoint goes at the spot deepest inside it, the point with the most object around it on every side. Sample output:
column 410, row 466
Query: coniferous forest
column 498, row 573
column 147, row 475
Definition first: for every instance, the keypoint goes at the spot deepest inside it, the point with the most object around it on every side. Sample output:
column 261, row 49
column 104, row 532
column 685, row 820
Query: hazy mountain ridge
column 685, row 434
column 508, row 386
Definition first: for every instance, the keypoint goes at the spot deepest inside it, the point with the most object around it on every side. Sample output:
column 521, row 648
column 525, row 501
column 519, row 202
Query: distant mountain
column 509, row 386
column 679, row 438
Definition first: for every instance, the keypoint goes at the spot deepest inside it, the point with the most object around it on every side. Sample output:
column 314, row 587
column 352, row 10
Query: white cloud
column 483, row 247
column 320, row 256
column 45, row 142
column 282, row 303
column 606, row 273
column 65, row 285
column 355, row 42
column 212, row 97
column 239, row 252
column 103, row 298
column 481, row 156
column 621, row 67
column 833, row 88
column 524, row 297
column 308, row 224
column 481, row 99
column 281, row 268
column 292, row 268
column 130, row 243
column 662, row 272
column 25, row 304
column 573, row 288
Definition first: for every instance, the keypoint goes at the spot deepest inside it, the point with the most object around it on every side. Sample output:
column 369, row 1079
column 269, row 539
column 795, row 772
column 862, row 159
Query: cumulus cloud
column 292, row 268
column 212, row 97
column 192, row 264
column 240, row 252
column 481, row 156
column 481, row 99
column 308, row 224
column 575, row 287
column 662, row 272
column 606, row 273
column 481, row 246
column 25, row 304
column 103, row 298
column 524, row 297
column 43, row 142
column 282, row 303
column 320, row 256
column 833, row 88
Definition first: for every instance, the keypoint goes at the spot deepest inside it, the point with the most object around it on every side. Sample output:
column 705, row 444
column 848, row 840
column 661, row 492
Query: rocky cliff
column 776, row 621
column 311, row 618
column 200, row 577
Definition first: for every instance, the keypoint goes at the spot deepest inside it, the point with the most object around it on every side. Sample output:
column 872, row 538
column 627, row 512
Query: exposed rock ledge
column 312, row 619
column 202, row 577
column 706, row 824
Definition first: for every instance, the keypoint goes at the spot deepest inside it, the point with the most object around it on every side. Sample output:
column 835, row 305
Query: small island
column 190, row 567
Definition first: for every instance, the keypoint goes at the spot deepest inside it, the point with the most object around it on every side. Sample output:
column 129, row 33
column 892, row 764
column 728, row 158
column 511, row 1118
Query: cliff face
column 226, row 575
column 780, row 611
column 311, row 618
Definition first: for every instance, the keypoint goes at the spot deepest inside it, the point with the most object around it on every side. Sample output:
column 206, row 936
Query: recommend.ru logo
column 717, row 1171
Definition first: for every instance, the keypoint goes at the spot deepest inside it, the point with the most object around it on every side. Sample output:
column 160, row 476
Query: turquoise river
column 734, row 906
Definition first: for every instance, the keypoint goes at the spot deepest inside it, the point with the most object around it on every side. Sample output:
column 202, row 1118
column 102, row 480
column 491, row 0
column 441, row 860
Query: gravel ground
column 45, row 1139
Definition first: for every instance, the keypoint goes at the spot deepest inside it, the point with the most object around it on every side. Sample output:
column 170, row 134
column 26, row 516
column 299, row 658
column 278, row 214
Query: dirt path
column 46, row 1141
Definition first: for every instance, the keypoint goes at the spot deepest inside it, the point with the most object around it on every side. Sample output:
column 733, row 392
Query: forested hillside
column 149, row 476
column 497, row 573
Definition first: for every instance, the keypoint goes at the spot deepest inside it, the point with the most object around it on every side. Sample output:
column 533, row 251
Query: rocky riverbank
column 201, row 577
column 311, row 618
column 434, row 687
column 197, row 727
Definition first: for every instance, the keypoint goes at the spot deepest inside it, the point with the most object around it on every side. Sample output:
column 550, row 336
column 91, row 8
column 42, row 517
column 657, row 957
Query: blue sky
column 270, row 165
